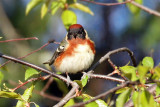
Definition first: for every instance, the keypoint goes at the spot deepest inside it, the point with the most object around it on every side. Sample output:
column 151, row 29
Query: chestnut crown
column 76, row 31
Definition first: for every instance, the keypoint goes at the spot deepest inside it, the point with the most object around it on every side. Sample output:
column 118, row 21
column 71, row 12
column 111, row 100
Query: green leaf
column 69, row 18
column 84, row 80
column 148, row 62
column 97, row 103
column 30, row 72
column 134, row 9
column 142, row 71
column 36, row 105
column 157, row 90
column 79, row 83
column 119, row 1
column 135, row 98
column 147, row 100
column 157, row 71
column 26, row 96
column 69, row 103
column 129, row 72
column 61, row 85
column 121, row 90
column 122, row 98
column 100, row 103
column 1, row 77
column 81, row 7
column 55, row 6
column 32, row 4
column 44, row 10
column 13, row 95
column 1, row 37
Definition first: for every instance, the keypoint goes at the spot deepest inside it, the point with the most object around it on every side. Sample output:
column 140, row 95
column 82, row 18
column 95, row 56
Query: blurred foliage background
column 110, row 27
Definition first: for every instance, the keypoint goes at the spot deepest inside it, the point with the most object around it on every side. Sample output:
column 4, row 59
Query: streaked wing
column 60, row 49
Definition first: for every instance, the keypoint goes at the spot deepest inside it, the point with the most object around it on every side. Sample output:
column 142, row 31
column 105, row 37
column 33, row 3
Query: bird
column 75, row 53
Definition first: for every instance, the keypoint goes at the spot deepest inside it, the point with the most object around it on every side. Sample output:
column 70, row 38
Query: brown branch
column 30, row 80
column 47, row 85
column 45, row 95
column 107, row 57
column 19, row 39
column 68, row 96
column 150, row 89
column 98, row 76
column 106, row 4
column 145, row 8
column 72, row 83
column 106, row 93
column 127, row 1
column 36, row 67
column 51, row 41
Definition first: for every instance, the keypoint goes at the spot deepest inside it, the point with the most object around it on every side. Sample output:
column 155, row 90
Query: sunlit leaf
column 61, row 85
column 129, row 72
column 44, row 10
column 135, row 98
column 1, row 77
column 79, row 83
column 30, row 72
column 69, row 18
column 147, row 99
column 134, row 9
column 157, row 90
column 81, row 7
column 120, row 1
column 148, row 62
column 1, row 37
column 122, row 98
column 142, row 71
column 55, row 6
column 97, row 103
column 32, row 4
column 26, row 96
column 84, row 80
column 157, row 71
column 36, row 105
column 69, row 103
column 4, row 94
column 121, row 90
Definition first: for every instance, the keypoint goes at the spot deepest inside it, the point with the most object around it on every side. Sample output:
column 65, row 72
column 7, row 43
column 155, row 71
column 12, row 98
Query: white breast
column 81, row 60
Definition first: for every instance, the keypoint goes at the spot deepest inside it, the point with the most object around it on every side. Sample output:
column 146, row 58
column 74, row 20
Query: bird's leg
column 68, row 79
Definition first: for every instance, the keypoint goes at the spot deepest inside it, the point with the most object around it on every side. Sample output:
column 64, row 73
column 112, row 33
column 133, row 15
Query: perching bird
column 75, row 53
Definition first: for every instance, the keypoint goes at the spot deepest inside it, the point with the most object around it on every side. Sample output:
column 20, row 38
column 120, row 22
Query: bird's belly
column 79, row 61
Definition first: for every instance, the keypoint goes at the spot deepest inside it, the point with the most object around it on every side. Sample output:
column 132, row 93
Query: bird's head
column 76, row 31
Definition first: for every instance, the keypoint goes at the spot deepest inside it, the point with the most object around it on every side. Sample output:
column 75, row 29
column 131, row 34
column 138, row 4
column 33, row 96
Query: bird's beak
column 74, row 36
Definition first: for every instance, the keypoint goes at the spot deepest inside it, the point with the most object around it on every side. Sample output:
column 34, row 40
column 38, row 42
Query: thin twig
column 145, row 8
column 45, row 95
column 30, row 80
column 106, row 4
column 36, row 67
column 127, row 1
column 150, row 89
column 47, row 85
column 68, row 96
column 107, row 57
column 51, row 41
column 98, row 76
column 19, row 39
column 74, row 85
column 106, row 93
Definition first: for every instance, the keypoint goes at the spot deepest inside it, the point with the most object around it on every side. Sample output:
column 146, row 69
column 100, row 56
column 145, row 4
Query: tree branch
column 106, row 93
column 127, row 1
column 98, row 76
column 107, row 57
column 73, row 84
